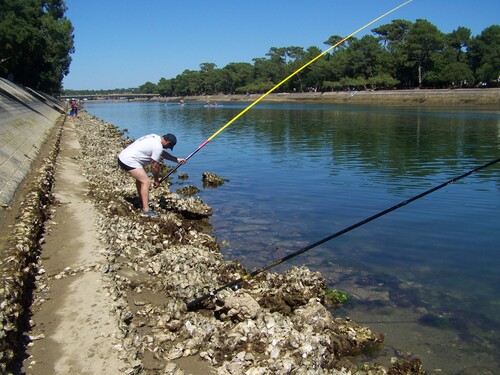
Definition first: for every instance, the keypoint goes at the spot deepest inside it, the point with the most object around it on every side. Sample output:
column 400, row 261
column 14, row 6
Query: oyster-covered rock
column 190, row 208
column 212, row 180
column 188, row 190
column 237, row 306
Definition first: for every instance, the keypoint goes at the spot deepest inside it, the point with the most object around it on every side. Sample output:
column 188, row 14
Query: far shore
column 483, row 97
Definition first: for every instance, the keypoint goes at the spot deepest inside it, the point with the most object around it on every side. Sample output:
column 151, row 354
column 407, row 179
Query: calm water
column 425, row 275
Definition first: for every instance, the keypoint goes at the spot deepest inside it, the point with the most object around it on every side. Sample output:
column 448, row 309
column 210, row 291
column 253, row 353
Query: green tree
column 165, row 87
column 266, row 70
column 318, row 72
column 236, row 75
column 340, row 64
column 335, row 39
column 36, row 41
column 296, row 58
column 148, row 88
column 484, row 55
column 423, row 40
column 353, row 83
column 366, row 57
column 393, row 37
column 457, row 74
column 188, row 83
column 211, row 79
column 449, row 66
column 459, row 40
column 276, row 63
column 382, row 81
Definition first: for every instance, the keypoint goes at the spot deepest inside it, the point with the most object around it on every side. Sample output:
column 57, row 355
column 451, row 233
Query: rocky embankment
column 273, row 323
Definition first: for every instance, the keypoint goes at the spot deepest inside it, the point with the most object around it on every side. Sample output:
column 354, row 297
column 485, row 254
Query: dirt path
column 74, row 330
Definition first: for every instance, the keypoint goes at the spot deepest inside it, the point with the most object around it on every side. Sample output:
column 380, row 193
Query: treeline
column 401, row 54
column 36, row 41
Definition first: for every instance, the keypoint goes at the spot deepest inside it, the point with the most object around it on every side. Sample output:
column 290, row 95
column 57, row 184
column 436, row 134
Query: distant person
column 74, row 110
column 145, row 150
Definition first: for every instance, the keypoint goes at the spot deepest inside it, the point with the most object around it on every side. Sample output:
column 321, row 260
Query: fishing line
column 235, row 283
column 278, row 85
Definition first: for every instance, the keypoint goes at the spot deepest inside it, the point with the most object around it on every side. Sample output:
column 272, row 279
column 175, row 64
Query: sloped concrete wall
column 26, row 118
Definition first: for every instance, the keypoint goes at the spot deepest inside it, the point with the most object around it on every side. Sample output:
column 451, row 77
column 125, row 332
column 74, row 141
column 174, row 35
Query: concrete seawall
column 26, row 118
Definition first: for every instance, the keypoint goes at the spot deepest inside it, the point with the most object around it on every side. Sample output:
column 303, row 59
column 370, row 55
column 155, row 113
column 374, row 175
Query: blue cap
column 171, row 139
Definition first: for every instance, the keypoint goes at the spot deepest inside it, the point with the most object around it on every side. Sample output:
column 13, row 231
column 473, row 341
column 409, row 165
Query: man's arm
column 167, row 156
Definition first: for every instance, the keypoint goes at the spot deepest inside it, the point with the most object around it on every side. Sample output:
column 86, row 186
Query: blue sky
column 125, row 43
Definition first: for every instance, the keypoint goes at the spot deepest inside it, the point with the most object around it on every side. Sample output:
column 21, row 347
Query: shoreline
column 483, row 97
column 274, row 323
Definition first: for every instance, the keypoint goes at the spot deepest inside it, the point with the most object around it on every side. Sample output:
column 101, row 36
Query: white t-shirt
column 142, row 152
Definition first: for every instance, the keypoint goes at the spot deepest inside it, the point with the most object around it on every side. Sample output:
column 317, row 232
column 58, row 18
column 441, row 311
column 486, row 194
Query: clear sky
column 125, row 43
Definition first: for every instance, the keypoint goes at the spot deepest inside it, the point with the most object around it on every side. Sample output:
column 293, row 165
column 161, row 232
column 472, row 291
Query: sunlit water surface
column 425, row 275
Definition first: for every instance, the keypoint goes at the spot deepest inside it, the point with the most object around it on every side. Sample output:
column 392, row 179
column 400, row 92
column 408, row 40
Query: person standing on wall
column 145, row 150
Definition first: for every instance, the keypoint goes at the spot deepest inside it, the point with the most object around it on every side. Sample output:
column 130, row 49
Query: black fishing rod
column 235, row 283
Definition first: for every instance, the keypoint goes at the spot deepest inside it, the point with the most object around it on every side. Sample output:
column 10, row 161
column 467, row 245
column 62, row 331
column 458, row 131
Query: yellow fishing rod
column 279, row 84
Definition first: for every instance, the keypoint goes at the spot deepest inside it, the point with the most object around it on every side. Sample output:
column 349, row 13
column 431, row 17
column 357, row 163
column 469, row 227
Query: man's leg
column 143, row 183
column 138, row 186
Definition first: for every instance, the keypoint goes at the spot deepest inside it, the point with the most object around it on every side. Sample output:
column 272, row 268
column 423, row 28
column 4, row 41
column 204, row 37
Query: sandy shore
column 73, row 329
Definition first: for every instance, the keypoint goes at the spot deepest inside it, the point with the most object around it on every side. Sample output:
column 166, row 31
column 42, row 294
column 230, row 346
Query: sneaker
column 150, row 213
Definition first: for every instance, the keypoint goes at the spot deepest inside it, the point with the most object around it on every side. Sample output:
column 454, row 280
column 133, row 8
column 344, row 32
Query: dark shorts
column 124, row 166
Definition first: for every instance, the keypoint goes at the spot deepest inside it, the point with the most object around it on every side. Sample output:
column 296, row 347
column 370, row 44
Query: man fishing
column 145, row 150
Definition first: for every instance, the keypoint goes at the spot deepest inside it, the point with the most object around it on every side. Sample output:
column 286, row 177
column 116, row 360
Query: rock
column 240, row 306
column 211, row 180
